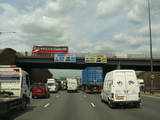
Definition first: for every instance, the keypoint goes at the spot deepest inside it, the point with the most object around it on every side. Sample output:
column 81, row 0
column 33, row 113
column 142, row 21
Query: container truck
column 92, row 79
column 14, row 88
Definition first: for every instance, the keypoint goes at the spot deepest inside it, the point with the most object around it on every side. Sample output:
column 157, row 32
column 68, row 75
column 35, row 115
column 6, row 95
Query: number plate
column 120, row 98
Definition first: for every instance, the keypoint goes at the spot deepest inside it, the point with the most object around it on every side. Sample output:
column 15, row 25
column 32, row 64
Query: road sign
column 90, row 59
column 64, row 58
column 96, row 59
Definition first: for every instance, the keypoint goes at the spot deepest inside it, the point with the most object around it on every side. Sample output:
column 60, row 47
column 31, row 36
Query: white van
column 52, row 85
column 121, row 87
column 72, row 84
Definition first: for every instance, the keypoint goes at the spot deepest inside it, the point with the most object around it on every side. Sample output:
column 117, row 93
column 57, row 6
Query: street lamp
column 150, row 35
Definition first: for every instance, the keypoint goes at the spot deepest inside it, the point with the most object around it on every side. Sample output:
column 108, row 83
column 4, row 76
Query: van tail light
column 112, row 95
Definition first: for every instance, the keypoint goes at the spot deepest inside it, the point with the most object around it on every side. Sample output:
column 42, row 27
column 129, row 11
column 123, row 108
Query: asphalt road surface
column 82, row 106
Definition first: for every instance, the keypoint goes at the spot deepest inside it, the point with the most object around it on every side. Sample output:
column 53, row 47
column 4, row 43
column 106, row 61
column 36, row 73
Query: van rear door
column 119, row 86
column 132, row 86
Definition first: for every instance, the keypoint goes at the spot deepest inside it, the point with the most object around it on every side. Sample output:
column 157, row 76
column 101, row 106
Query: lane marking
column 57, row 96
column 92, row 104
column 47, row 105
column 84, row 96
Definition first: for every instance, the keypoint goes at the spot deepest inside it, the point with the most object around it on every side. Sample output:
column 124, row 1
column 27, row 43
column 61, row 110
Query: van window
column 51, row 84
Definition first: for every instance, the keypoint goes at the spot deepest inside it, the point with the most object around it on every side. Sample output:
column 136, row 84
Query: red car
column 40, row 90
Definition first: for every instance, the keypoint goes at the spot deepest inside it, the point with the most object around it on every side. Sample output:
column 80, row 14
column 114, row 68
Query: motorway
column 82, row 106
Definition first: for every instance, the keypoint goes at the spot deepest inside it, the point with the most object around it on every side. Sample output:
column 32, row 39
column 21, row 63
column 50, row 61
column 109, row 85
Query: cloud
column 49, row 24
column 112, row 7
column 135, row 10
column 137, row 13
column 63, row 7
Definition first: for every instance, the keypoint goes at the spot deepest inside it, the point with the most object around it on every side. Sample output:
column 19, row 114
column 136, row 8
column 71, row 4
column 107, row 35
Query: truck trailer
column 92, row 79
column 14, row 89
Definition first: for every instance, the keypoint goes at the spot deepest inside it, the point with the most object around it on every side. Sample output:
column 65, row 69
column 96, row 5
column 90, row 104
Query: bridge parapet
column 83, row 55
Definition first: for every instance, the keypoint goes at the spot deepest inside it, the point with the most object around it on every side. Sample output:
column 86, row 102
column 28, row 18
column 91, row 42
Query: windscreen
column 51, row 84
column 38, row 86
column 9, row 77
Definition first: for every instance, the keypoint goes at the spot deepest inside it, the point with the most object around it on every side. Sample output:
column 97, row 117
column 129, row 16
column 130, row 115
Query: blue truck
column 92, row 79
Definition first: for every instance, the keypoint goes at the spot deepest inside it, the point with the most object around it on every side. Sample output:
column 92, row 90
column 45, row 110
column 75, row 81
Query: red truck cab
column 40, row 90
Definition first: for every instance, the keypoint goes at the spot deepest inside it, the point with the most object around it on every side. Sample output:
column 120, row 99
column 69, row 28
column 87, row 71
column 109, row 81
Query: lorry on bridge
column 14, row 88
column 92, row 79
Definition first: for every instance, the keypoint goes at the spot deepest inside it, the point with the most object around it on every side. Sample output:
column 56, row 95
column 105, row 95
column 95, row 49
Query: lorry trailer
column 92, row 79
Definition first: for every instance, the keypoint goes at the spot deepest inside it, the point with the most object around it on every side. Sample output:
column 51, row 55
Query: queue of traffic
column 120, row 87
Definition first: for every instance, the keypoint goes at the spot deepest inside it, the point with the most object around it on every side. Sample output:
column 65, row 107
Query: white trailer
column 121, row 87
column 72, row 84
column 14, row 89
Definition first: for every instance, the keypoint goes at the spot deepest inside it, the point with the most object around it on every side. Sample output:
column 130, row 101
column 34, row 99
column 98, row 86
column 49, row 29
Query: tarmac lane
column 82, row 106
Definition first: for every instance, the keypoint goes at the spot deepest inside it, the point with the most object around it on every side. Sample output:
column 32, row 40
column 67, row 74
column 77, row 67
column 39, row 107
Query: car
column 40, row 90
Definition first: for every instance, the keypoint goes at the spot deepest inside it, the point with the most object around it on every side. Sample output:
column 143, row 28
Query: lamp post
column 150, row 36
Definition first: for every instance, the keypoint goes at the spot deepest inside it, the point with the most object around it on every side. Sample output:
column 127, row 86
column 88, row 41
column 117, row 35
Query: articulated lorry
column 92, row 79
column 14, row 88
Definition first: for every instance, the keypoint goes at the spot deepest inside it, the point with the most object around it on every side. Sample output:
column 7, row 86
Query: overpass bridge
column 138, row 64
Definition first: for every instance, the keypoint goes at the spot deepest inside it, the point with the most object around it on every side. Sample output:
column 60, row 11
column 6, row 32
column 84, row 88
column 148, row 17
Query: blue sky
column 97, row 26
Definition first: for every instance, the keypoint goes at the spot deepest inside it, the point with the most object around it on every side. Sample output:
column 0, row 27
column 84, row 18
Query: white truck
column 52, row 85
column 14, row 88
column 72, row 84
column 121, row 87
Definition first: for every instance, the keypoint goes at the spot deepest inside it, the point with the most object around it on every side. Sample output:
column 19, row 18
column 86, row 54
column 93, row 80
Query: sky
column 86, row 26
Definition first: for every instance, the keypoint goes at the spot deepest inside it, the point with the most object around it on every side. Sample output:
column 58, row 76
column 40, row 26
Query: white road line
column 47, row 105
column 84, row 96
column 57, row 96
column 92, row 104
